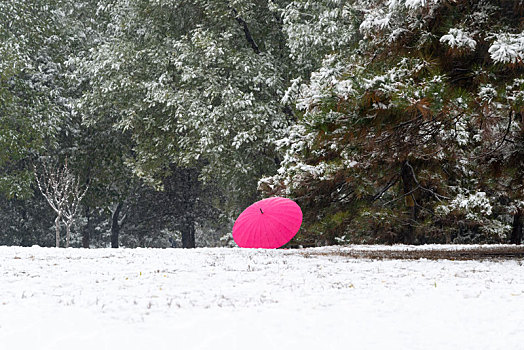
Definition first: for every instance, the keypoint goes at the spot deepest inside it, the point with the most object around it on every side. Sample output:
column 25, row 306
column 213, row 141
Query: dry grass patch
column 435, row 253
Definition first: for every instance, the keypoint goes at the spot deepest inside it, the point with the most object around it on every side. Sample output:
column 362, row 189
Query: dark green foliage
column 391, row 121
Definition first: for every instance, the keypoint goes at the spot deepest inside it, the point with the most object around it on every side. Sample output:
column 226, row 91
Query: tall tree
column 195, row 80
column 384, row 150
column 196, row 84
column 30, row 97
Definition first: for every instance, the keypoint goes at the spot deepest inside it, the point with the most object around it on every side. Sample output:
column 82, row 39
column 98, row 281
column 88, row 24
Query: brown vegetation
column 446, row 253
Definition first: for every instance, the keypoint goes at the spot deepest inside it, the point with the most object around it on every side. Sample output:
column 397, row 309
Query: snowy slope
column 254, row 299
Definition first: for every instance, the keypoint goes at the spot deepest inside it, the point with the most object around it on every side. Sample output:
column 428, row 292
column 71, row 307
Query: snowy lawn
column 255, row 299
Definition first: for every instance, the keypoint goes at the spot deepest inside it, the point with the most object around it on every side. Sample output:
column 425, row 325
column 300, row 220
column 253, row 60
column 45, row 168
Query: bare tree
column 62, row 190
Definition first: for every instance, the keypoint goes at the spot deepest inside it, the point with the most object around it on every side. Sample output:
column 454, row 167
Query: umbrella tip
column 261, row 210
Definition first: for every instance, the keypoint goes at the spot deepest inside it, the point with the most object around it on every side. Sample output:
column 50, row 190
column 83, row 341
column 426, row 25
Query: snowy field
column 254, row 299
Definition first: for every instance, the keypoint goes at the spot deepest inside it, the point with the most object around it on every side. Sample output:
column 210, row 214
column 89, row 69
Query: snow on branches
column 63, row 192
column 508, row 48
column 458, row 38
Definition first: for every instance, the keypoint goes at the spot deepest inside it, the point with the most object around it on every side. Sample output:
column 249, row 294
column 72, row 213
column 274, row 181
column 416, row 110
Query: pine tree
column 385, row 148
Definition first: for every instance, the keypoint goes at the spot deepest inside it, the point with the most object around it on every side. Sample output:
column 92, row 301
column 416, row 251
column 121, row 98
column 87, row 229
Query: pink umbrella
column 269, row 223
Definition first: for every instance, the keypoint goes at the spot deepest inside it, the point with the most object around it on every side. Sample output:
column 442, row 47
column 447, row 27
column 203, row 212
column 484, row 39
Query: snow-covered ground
column 254, row 299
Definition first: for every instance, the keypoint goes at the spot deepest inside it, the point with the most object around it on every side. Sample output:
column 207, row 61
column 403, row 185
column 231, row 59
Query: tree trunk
column 115, row 226
column 188, row 234
column 68, row 233
column 57, row 231
column 406, row 173
column 516, row 232
column 86, row 234
column 182, row 189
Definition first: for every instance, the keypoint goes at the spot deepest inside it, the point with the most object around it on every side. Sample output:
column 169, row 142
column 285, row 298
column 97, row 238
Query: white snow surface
column 220, row 298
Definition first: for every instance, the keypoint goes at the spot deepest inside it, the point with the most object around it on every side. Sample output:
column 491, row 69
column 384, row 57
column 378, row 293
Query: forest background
column 154, row 123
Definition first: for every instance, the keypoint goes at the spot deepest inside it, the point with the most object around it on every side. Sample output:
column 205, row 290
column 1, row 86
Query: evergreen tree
column 385, row 148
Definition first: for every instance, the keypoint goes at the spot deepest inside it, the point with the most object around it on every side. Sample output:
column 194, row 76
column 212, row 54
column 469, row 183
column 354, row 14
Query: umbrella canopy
column 269, row 223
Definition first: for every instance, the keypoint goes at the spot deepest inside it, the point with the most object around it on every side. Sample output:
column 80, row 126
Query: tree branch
column 403, row 196
column 247, row 32
column 438, row 196
column 503, row 138
column 391, row 183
